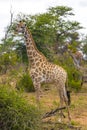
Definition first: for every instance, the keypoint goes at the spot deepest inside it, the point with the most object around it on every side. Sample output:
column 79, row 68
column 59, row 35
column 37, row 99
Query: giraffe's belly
column 54, row 75
column 50, row 75
column 42, row 77
column 48, row 78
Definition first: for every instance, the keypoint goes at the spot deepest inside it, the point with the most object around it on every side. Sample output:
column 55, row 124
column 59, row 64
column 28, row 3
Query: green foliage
column 61, row 10
column 21, row 52
column 25, row 83
column 76, row 86
column 84, row 49
column 74, row 78
column 16, row 113
column 7, row 60
column 74, row 75
column 51, row 29
column 7, row 44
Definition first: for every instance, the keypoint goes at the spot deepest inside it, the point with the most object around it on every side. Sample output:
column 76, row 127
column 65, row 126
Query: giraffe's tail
column 67, row 91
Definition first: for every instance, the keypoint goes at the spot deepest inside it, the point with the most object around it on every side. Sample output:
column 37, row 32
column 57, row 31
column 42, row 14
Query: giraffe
column 42, row 71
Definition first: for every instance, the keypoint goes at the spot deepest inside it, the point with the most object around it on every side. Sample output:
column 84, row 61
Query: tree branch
column 51, row 113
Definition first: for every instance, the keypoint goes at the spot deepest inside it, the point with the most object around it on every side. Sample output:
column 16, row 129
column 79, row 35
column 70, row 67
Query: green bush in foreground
column 25, row 83
column 16, row 113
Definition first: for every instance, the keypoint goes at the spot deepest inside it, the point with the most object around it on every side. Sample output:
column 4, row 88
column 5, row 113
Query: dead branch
column 74, row 127
column 9, row 27
column 52, row 112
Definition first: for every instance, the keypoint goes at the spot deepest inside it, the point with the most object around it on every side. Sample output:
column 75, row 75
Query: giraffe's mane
column 35, row 45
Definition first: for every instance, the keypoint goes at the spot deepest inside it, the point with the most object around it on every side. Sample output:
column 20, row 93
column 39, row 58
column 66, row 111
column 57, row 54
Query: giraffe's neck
column 32, row 51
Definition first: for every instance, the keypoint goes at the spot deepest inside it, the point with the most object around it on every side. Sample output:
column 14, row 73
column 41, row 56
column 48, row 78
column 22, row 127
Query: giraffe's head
column 20, row 27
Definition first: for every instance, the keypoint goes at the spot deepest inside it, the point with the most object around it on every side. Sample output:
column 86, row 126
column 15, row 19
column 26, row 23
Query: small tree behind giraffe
column 42, row 71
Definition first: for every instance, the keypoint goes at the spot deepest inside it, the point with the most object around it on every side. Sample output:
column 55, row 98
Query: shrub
column 16, row 113
column 74, row 78
column 25, row 83
column 7, row 60
column 75, row 85
column 74, row 75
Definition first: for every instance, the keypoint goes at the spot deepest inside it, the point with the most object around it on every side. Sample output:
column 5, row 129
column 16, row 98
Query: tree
column 84, row 48
column 51, row 31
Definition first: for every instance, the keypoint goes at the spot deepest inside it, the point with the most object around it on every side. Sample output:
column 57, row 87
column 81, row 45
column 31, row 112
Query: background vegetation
column 54, row 34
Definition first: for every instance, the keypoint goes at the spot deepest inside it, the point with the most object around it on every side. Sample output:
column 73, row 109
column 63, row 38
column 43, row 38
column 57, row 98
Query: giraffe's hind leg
column 66, row 100
column 61, row 105
column 63, row 98
column 68, row 111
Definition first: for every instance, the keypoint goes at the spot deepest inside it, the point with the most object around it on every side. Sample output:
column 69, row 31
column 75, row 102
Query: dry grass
column 50, row 100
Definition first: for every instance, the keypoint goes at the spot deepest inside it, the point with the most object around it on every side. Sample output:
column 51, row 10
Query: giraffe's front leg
column 37, row 90
column 36, row 84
